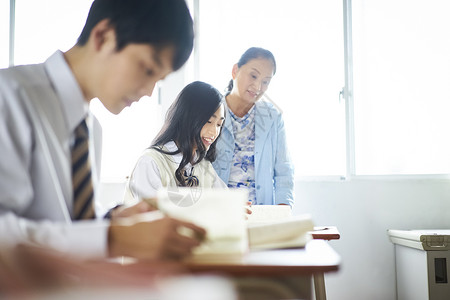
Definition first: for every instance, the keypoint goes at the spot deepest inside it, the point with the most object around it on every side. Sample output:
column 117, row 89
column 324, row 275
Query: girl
column 182, row 152
column 252, row 151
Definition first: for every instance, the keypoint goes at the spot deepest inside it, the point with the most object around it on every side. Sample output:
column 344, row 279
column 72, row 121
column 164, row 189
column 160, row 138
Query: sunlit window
column 4, row 34
column 44, row 26
column 306, row 38
column 401, row 77
column 401, row 54
column 126, row 135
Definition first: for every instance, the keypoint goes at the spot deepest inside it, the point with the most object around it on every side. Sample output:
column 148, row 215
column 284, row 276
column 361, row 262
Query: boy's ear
column 234, row 71
column 103, row 35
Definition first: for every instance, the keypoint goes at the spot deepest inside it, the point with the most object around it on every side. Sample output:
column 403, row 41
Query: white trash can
column 422, row 259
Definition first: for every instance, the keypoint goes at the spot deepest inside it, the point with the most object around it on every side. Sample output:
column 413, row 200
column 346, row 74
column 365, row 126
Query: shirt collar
column 243, row 118
column 176, row 158
column 75, row 107
column 172, row 147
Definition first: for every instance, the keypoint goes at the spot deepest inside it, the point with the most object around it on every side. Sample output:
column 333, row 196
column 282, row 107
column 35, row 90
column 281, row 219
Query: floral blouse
column 242, row 172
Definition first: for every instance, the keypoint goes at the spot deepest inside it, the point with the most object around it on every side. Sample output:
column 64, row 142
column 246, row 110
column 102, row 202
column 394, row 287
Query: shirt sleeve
column 18, row 192
column 145, row 179
column 218, row 182
column 284, row 169
column 83, row 239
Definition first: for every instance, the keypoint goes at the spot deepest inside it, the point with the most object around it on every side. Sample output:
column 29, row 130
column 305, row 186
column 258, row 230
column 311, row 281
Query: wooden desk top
column 325, row 233
column 316, row 257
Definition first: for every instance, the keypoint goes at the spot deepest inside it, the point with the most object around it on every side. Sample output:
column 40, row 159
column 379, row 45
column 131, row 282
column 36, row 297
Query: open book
column 274, row 226
column 219, row 211
column 229, row 234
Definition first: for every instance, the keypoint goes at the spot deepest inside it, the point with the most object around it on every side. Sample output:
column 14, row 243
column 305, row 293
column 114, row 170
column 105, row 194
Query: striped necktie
column 83, row 191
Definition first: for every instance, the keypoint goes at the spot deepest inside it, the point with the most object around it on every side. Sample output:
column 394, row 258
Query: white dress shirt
column 40, row 106
column 146, row 177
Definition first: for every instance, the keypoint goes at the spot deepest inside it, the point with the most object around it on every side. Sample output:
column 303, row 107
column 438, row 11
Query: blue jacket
column 274, row 170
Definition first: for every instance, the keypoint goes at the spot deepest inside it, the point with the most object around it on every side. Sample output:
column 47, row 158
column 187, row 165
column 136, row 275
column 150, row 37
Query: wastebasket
column 421, row 263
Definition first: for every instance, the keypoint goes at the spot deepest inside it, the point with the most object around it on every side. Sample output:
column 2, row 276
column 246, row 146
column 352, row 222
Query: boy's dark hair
column 159, row 23
column 252, row 53
column 185, row 118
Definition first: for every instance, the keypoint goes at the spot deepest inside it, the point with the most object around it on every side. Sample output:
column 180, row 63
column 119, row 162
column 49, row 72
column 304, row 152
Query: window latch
column 341, row 94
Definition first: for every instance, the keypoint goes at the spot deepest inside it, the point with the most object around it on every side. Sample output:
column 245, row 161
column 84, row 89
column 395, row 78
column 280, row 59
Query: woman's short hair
column 253, row 53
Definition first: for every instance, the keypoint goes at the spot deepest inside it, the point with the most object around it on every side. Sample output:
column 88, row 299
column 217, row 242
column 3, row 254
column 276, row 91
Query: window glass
column 306, row 38
column 4, row 33
column 126, row 135
column 401, row 56
column 44, row 26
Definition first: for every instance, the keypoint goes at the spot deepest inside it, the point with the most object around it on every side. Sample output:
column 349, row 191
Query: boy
column 125, row 47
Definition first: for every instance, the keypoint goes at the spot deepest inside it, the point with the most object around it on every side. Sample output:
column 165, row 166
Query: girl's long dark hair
column 185, row 118
column 252, row 53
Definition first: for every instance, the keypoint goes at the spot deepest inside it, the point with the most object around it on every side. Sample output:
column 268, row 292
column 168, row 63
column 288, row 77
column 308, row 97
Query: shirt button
column 258, row 187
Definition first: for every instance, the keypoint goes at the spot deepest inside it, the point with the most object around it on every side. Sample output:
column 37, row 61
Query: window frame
column 346, row 93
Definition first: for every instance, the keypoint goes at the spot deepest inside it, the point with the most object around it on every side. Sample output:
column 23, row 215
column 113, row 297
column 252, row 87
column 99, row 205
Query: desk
column 316, row 258
column 323, row 233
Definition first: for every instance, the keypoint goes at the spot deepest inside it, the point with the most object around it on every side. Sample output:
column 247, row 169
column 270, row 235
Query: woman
column 252, row 151
column 182, row 152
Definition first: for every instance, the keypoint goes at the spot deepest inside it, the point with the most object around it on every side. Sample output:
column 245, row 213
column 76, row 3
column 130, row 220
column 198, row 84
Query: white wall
column 363, row 210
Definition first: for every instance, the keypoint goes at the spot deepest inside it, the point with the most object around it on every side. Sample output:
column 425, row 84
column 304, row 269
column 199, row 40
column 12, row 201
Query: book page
column 269, row 213
column 219, row 211
column 283, row 233
column 274, row 226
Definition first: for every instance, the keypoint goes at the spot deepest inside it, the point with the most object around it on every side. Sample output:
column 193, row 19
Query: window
column 402, row 86
column 126, row 135
column 401, row 77
column 306, row 38
column 44, row 26
column 4, row 34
